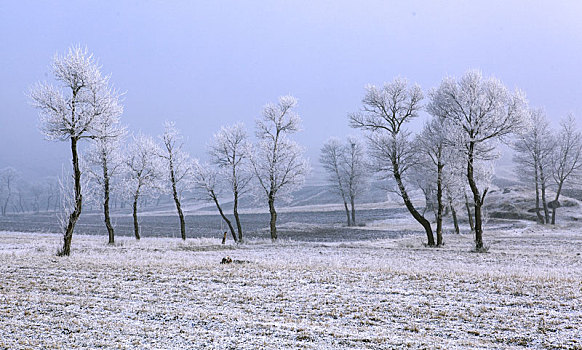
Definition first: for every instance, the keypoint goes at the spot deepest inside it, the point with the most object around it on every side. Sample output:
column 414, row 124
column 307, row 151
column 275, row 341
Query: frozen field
column 382, row 294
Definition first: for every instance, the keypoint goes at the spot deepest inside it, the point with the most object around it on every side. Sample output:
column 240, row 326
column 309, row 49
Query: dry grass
column 162, row 293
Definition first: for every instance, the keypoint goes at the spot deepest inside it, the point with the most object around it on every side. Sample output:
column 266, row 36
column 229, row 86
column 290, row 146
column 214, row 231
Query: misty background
column 208, row 64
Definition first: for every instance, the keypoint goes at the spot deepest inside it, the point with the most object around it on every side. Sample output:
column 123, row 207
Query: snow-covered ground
column 168, row 294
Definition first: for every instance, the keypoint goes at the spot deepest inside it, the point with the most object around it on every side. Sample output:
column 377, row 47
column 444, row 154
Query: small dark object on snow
column 229, row 260
column 224, row 238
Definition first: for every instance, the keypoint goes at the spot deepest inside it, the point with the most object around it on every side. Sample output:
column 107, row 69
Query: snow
column 165, row 293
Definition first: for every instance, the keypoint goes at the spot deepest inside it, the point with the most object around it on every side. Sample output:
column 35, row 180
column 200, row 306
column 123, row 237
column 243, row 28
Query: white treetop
column 81, row 103
column 230, row 150
column 143, row 169
column 479, row 111
column 278, row 162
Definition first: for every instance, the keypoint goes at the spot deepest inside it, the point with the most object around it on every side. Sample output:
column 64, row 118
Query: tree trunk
column 106, row 202
column 348, row 213
column 135, row 222
column 353, row 211
column 538, row 209
column 68, row 236
column 556, row 202
column 213, row 195
column 177, row 201
column 439, row 215
column 544, row 202
column 469, row 214
column 477, row 200
column 273, row 212
column 454, row 214
column 237, row 219
column 408, row 203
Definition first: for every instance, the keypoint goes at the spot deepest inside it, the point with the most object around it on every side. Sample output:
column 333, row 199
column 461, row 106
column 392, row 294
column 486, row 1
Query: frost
column 164, row 293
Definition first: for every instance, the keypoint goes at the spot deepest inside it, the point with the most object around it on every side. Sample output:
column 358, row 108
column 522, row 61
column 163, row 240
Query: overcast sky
column 212, row 63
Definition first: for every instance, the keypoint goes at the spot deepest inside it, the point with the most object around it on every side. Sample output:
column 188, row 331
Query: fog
column 204, row 65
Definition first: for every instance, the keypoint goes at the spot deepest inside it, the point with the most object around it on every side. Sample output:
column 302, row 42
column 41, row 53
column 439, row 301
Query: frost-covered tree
column 104, row 160
column 8, row 177
column 179, row 168
column 566, row 160
column 533, row 155
column 346, row 167
column 143, row 172
column 384, row 114
column 73, row 111
column 205, row 180
column 230, row 151
column 278, row 162
column 480, row 112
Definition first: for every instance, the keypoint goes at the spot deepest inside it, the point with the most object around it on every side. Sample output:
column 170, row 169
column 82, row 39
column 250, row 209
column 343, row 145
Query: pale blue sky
column 206, row 64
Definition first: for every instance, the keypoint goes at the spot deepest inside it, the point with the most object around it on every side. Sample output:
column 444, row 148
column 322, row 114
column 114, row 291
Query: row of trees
column 84, row 106
column 548, row 158
column 450, row 159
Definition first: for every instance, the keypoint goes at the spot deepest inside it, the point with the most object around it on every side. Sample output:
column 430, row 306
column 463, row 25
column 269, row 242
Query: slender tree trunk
column 544, row 202
column 237, row 219
column 110, row 230
column 223, row 216
column 177, row 201
column 273, row 212
column 348, row 213
column 353, row 211
column 469, row 214
column 538, row 209
column 5, row 206
column 556, row 203
column 74, row 216
column 455, row 220
column 135, row 222
column 408, row 203
column 439, row 205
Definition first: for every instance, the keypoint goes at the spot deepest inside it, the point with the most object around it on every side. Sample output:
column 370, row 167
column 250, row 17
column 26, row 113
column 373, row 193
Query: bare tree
column 143, row 172
column 104, row 162
column 534, row 149
column 567, row 159
column 205, row 181
column 36, row 191
column 51, row 191
column 355, row 170
column 480, row 112
column 179, row 168
column 384, row 114
column 331, row 158
column 347, row 169
column 230, row 150
column 278, row 162
column 8, row 177
column 72, row 112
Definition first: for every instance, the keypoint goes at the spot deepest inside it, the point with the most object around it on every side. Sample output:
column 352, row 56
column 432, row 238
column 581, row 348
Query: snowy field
column 393, row 293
